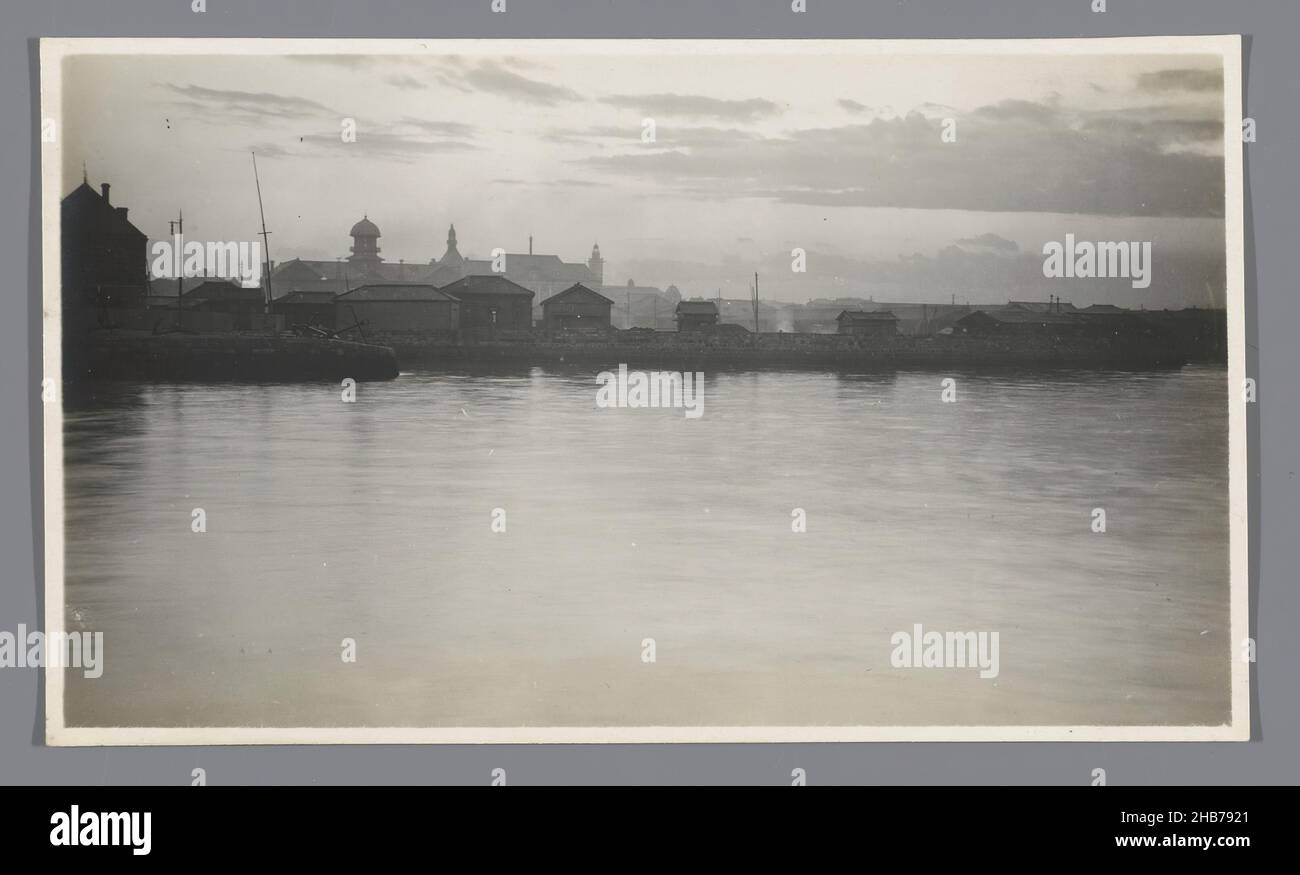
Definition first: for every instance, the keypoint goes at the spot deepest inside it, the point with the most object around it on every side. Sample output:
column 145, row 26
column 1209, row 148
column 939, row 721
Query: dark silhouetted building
column 867, row 323
column 306, row 308
column 1016, row 321
column 492, row 304
column 696, row 315
column 105, row 258
column 223, row 296
column 577, row 308
column 403, row 308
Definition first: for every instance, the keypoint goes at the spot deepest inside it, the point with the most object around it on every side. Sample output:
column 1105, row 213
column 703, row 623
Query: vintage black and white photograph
column 644, row 390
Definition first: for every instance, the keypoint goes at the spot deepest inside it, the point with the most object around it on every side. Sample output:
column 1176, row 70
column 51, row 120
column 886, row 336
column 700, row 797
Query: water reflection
column 371, row 521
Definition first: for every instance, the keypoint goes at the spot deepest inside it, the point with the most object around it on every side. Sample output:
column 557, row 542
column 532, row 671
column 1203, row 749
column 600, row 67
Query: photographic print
column 643, row 391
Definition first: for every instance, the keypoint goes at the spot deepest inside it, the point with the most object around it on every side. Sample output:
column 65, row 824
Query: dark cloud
column 695, row 106
column 248, row 106
column 1012, row 156
column 382, row 144
column 495, row 79
column 270, row 150
column 1181, row 80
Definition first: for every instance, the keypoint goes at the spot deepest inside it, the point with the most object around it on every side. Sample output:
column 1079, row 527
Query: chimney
column 530, row 244
column 121, row 211
column 103, row 190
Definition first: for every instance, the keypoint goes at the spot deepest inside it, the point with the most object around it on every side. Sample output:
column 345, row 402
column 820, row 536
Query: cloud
column 988, row 243
column 1011, row 156
column 440, row 127
column 405, row 82
column 269, row 150
column 248, row 106
column 695, row 106
column 1182, row 79
column 344, row 62
column 494, row 78
column 852, row 105
column 383, row 144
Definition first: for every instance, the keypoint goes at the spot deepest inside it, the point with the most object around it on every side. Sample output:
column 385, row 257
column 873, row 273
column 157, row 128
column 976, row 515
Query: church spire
column 452, row 257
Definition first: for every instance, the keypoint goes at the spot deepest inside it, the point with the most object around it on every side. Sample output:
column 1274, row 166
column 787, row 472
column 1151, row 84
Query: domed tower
column 365, row 243
column 596, row 264
column 452, row 257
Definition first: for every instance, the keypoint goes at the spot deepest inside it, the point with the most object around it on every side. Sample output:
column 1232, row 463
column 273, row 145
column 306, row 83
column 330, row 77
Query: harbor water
column 628, row 531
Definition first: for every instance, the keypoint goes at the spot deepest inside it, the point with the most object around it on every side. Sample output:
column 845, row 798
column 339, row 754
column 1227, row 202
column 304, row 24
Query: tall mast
column 266, row 245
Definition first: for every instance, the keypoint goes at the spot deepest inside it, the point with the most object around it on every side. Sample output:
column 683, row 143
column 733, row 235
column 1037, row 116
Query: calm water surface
column 371, row 521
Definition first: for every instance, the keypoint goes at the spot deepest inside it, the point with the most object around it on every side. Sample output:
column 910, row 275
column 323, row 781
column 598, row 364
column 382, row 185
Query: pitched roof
column 1021, row 317
column 1043, row 306
column 697, row 308
column 338, row 276
column 298, row 296
column 86, row 206
column 578, row 290
column 544, row 268
column 394, row 292
column 490, row 284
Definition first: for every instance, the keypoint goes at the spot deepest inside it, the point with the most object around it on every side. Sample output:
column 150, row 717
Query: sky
column 754, row 154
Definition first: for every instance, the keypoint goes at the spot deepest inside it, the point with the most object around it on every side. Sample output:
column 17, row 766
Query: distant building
column 577, row 308
column 362, row 266
column 223, row 296
column 491, row 304
column 642, row 306
column 306, row 308
column 104, row 256
column 861, row 323
column 696, row 315
column 1056, row 305
column 1015, row 321
column 365, row 244
column 398, row 308
column 544, row 275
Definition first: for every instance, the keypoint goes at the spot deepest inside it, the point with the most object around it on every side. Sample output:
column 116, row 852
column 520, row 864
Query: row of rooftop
column 105, row 259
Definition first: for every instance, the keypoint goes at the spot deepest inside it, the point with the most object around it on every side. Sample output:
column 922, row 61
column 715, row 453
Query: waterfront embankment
column 238, row 357
column 805, row 351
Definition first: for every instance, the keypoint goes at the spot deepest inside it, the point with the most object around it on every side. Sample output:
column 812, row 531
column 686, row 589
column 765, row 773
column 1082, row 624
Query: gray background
column 1273, row 353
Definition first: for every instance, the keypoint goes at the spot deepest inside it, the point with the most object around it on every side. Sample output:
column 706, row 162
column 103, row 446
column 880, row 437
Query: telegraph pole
column 176, row 227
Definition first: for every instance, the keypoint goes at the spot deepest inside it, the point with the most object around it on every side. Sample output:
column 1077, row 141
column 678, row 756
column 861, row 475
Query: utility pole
column 755, row 305
column 174, row 227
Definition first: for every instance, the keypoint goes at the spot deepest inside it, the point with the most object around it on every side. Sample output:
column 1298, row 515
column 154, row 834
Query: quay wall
column 241, row 357
column 809, row 350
